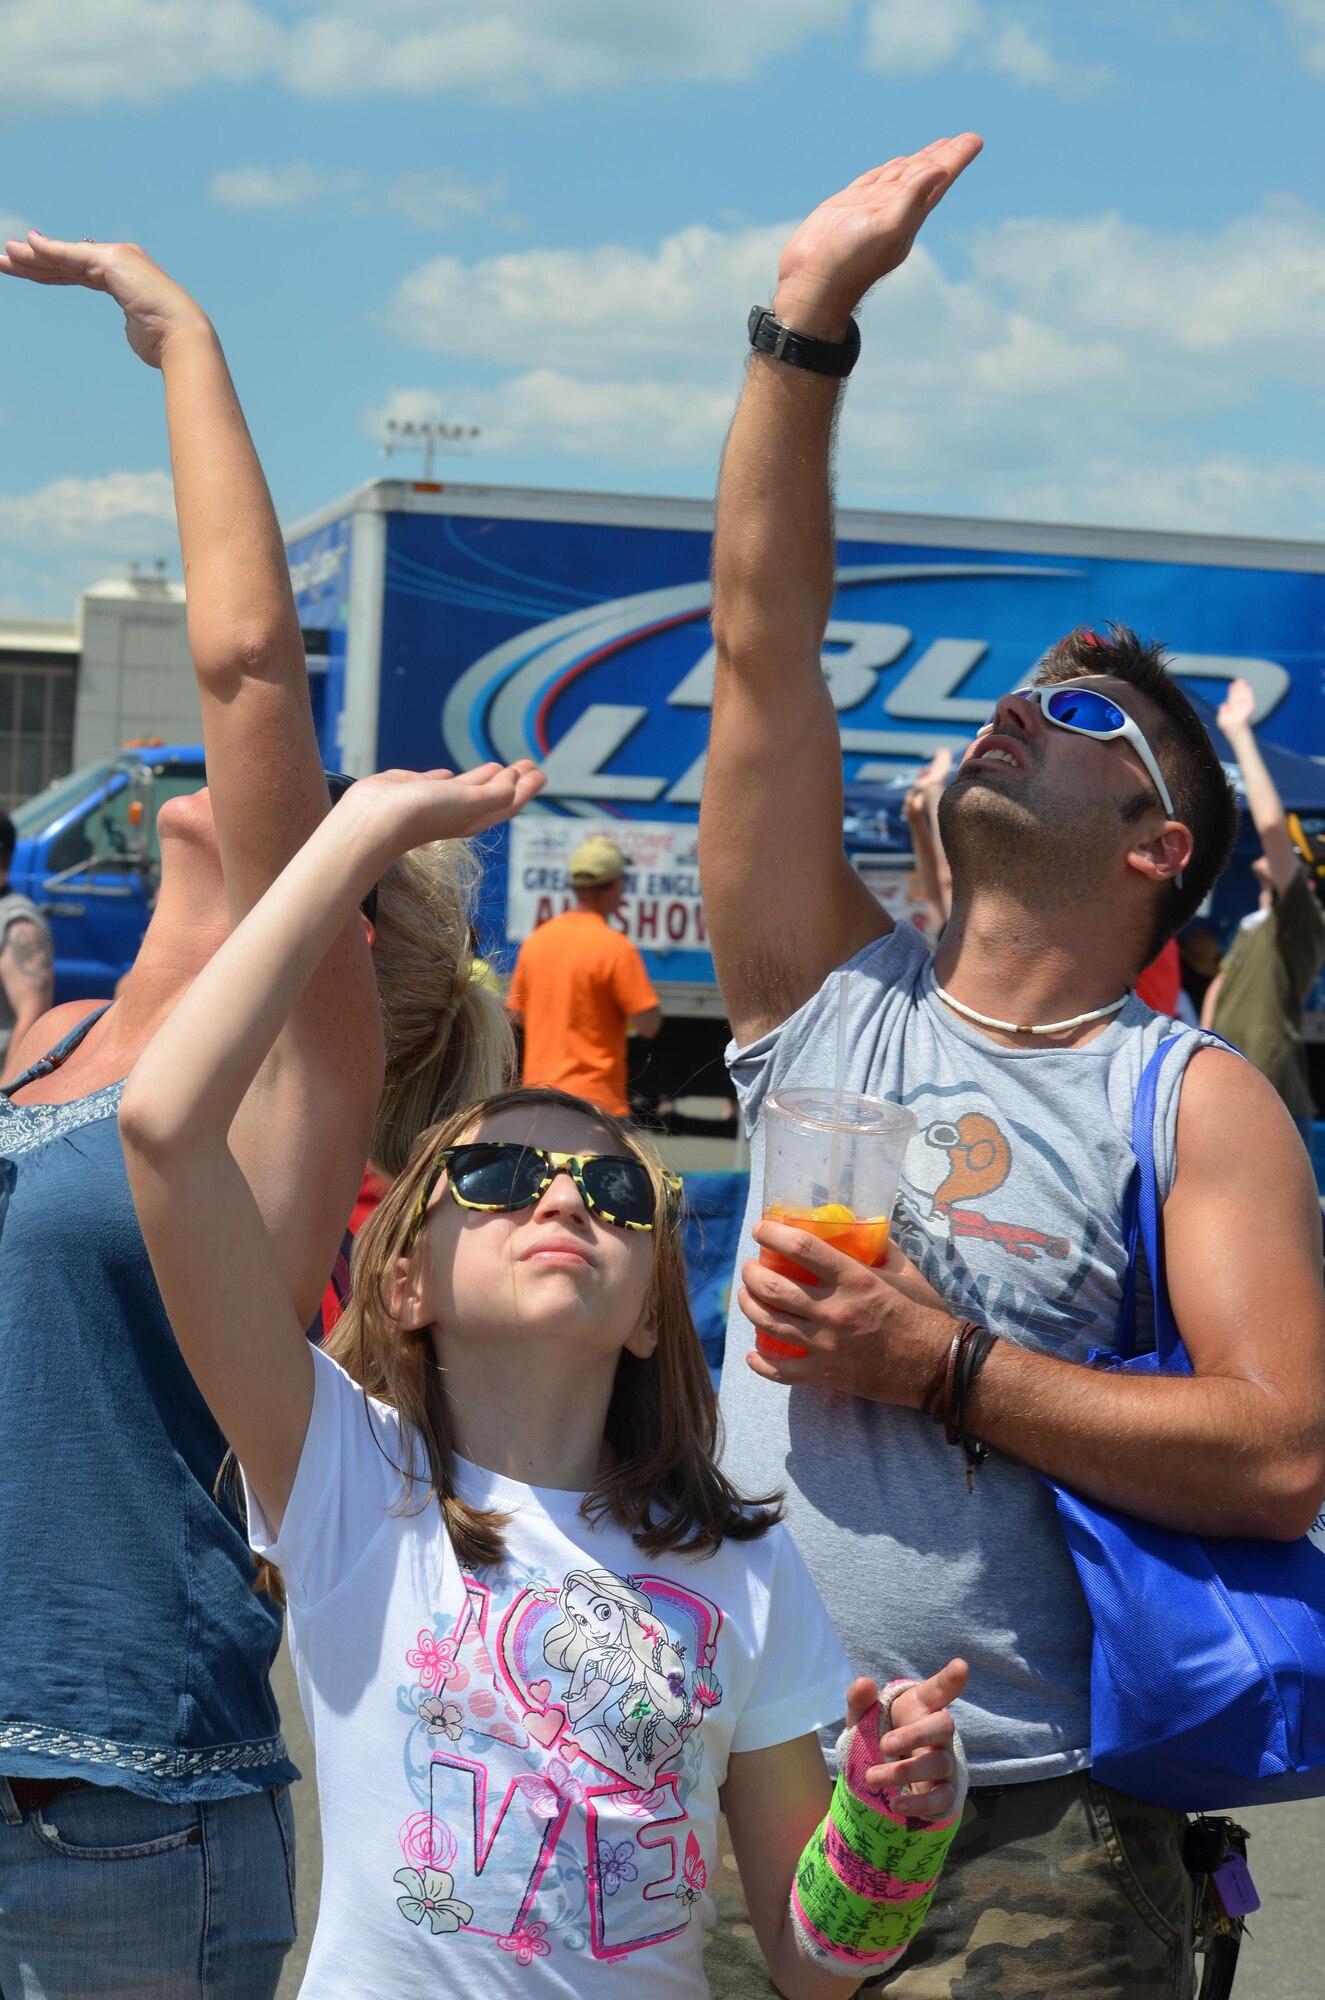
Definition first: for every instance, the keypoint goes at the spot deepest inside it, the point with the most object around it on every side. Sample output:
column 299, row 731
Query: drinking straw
column 839, row 1082
column 840, row 1064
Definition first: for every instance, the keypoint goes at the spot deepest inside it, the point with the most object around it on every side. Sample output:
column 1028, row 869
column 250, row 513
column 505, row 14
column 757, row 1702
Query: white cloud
column 1306, row 25
column 122, row 513
column 294, row 186
column 1078, row 370
column 12, row 225
column 85, row 52
column 615, row 304
column 917, row 37
column 432, row 198
column 82, row 52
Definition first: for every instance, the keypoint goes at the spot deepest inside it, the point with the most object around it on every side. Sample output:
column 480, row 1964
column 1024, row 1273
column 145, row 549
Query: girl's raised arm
column 228, row 1296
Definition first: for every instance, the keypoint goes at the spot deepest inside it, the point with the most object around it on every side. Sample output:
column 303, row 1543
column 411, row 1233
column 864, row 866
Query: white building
column 74, row 690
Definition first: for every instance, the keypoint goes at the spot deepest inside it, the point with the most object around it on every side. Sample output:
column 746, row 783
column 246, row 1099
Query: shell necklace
column 1028, row 1027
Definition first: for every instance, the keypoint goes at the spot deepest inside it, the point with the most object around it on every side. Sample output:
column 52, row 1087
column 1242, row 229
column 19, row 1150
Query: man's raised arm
column 783, row 905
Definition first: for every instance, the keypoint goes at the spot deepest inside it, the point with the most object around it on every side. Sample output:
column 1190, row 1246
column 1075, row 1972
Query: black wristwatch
column 799, row 350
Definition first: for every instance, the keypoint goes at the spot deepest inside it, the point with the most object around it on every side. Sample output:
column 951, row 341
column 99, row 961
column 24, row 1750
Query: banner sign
column 662, row 911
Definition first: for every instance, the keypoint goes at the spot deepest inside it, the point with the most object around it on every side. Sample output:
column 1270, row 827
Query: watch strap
column 800, row 350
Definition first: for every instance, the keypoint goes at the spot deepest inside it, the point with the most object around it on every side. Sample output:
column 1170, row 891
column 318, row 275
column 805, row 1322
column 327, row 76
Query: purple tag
column 1234, row 1887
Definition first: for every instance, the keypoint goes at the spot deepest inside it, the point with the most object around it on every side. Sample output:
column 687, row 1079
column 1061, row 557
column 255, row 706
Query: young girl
column 535, row 1629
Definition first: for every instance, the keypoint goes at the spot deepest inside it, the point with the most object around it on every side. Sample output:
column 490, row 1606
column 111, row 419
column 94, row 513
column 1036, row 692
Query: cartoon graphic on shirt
column 557, row 1737
column 950, row 1163
column 971, row 1172
column 627, row 1701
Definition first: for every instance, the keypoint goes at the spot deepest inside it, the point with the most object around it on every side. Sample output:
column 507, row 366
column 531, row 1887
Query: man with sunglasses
column 1085, row 825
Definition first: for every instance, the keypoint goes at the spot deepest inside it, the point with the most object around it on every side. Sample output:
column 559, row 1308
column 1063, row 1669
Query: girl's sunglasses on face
column 498, row 1176
column 1086, row 712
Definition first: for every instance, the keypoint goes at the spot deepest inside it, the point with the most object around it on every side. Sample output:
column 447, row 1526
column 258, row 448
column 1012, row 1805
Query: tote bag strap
column 1147, row 1222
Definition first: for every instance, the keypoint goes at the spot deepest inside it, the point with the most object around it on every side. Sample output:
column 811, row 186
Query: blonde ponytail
column 448, row 1039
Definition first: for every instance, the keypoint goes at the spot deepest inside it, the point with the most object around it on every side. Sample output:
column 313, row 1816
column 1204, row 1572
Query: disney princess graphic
column 629, row 1699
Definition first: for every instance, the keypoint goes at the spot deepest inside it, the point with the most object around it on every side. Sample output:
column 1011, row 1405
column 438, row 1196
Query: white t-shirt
column 518, row 1770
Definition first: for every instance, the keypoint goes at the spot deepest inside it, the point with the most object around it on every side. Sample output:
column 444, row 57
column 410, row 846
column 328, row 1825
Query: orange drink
column 864, row 1238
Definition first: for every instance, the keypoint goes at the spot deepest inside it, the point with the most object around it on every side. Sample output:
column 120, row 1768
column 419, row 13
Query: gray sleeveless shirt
column 1011, row 1205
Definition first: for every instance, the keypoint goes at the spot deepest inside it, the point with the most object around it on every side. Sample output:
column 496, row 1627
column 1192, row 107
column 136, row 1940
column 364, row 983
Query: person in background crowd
column 146, row 1837
column 579, row 987
column 1084, row 827
column 1256, row 1000
column 27, row 956
column 1160, row 985
column 921, row 809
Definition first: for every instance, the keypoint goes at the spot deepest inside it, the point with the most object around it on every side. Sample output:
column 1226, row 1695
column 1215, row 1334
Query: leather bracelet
column 946, row 1396
column 801, row 350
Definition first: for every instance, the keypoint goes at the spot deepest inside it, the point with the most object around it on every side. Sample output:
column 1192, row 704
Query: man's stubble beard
column 1046, row 852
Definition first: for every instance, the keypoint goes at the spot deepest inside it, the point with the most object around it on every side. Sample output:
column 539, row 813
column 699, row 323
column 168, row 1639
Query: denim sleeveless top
column 134, row 1650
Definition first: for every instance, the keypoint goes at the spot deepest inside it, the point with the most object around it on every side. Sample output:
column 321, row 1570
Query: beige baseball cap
column 598, row 859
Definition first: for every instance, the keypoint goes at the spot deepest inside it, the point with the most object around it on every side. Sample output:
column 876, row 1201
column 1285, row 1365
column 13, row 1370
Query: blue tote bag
column 1208, row 1662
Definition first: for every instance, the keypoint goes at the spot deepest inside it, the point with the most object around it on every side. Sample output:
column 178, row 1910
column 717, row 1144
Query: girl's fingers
column 928, row 1697
column 935, row 1804
column 931, row 1768
column 861, row 1697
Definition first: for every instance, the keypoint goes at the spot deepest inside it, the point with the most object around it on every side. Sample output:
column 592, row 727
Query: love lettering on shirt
column 555, row 1744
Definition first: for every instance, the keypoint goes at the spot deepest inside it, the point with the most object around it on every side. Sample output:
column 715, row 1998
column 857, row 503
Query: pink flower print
column 434, row 1660
column 443, row 1718
column 427, row 1842
column 642, row 1804
column 528, row 1943
column 651, row 1633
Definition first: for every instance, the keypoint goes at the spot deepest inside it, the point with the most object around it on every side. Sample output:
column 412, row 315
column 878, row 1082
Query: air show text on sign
column 662, row 911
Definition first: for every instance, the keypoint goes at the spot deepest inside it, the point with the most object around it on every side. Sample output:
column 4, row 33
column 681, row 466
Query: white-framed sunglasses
column 1087, row 712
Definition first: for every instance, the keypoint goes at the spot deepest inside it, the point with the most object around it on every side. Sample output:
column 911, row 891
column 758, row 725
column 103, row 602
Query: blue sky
column 549, row 218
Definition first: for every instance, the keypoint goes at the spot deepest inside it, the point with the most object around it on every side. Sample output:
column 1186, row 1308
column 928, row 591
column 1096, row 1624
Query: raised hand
column 928, row 784
column 406, row 808
column 856, row 237
column 155, row 308
column 1237, row 707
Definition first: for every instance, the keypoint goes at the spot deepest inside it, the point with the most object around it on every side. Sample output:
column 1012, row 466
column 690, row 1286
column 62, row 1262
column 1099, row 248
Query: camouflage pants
column 1051, row 1889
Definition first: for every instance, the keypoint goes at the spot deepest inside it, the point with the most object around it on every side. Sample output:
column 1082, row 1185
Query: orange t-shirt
column 576, row 982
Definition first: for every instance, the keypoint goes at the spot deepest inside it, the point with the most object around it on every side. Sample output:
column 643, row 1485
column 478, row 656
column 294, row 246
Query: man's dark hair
column 1203, row 798
column 8, row 842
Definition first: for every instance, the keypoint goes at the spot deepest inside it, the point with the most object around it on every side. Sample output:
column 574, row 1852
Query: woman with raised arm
column 145, row 1829
column 536, row 1630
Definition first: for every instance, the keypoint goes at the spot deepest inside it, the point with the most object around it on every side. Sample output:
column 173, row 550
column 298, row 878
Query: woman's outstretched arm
column 302, row 1138
column 228, row 1294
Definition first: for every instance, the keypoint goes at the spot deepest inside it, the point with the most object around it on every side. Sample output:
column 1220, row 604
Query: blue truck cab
column 87, row 855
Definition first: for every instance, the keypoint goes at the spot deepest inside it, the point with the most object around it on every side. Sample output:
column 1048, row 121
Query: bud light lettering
column 612, row 698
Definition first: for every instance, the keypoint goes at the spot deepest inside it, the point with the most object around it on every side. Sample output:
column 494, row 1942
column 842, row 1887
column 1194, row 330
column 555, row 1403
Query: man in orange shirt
column 578, row 986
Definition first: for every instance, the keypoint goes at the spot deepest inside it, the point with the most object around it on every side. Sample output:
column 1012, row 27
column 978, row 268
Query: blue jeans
column 108, row 1896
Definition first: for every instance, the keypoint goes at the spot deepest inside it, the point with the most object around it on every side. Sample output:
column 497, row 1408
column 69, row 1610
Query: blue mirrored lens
column 1083, row 708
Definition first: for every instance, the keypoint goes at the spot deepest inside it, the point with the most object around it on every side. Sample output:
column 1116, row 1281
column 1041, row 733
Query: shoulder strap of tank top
column 60, row 1053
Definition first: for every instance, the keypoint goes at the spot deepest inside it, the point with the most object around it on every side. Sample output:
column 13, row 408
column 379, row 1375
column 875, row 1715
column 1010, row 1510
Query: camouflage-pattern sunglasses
column 498, row 1176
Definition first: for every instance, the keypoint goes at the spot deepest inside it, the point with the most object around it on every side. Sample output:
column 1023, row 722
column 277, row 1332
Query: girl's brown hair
column 662, row 1483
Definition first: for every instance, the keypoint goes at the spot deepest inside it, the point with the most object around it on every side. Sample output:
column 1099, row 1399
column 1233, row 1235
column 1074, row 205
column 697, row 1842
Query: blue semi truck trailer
column 449, row 624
